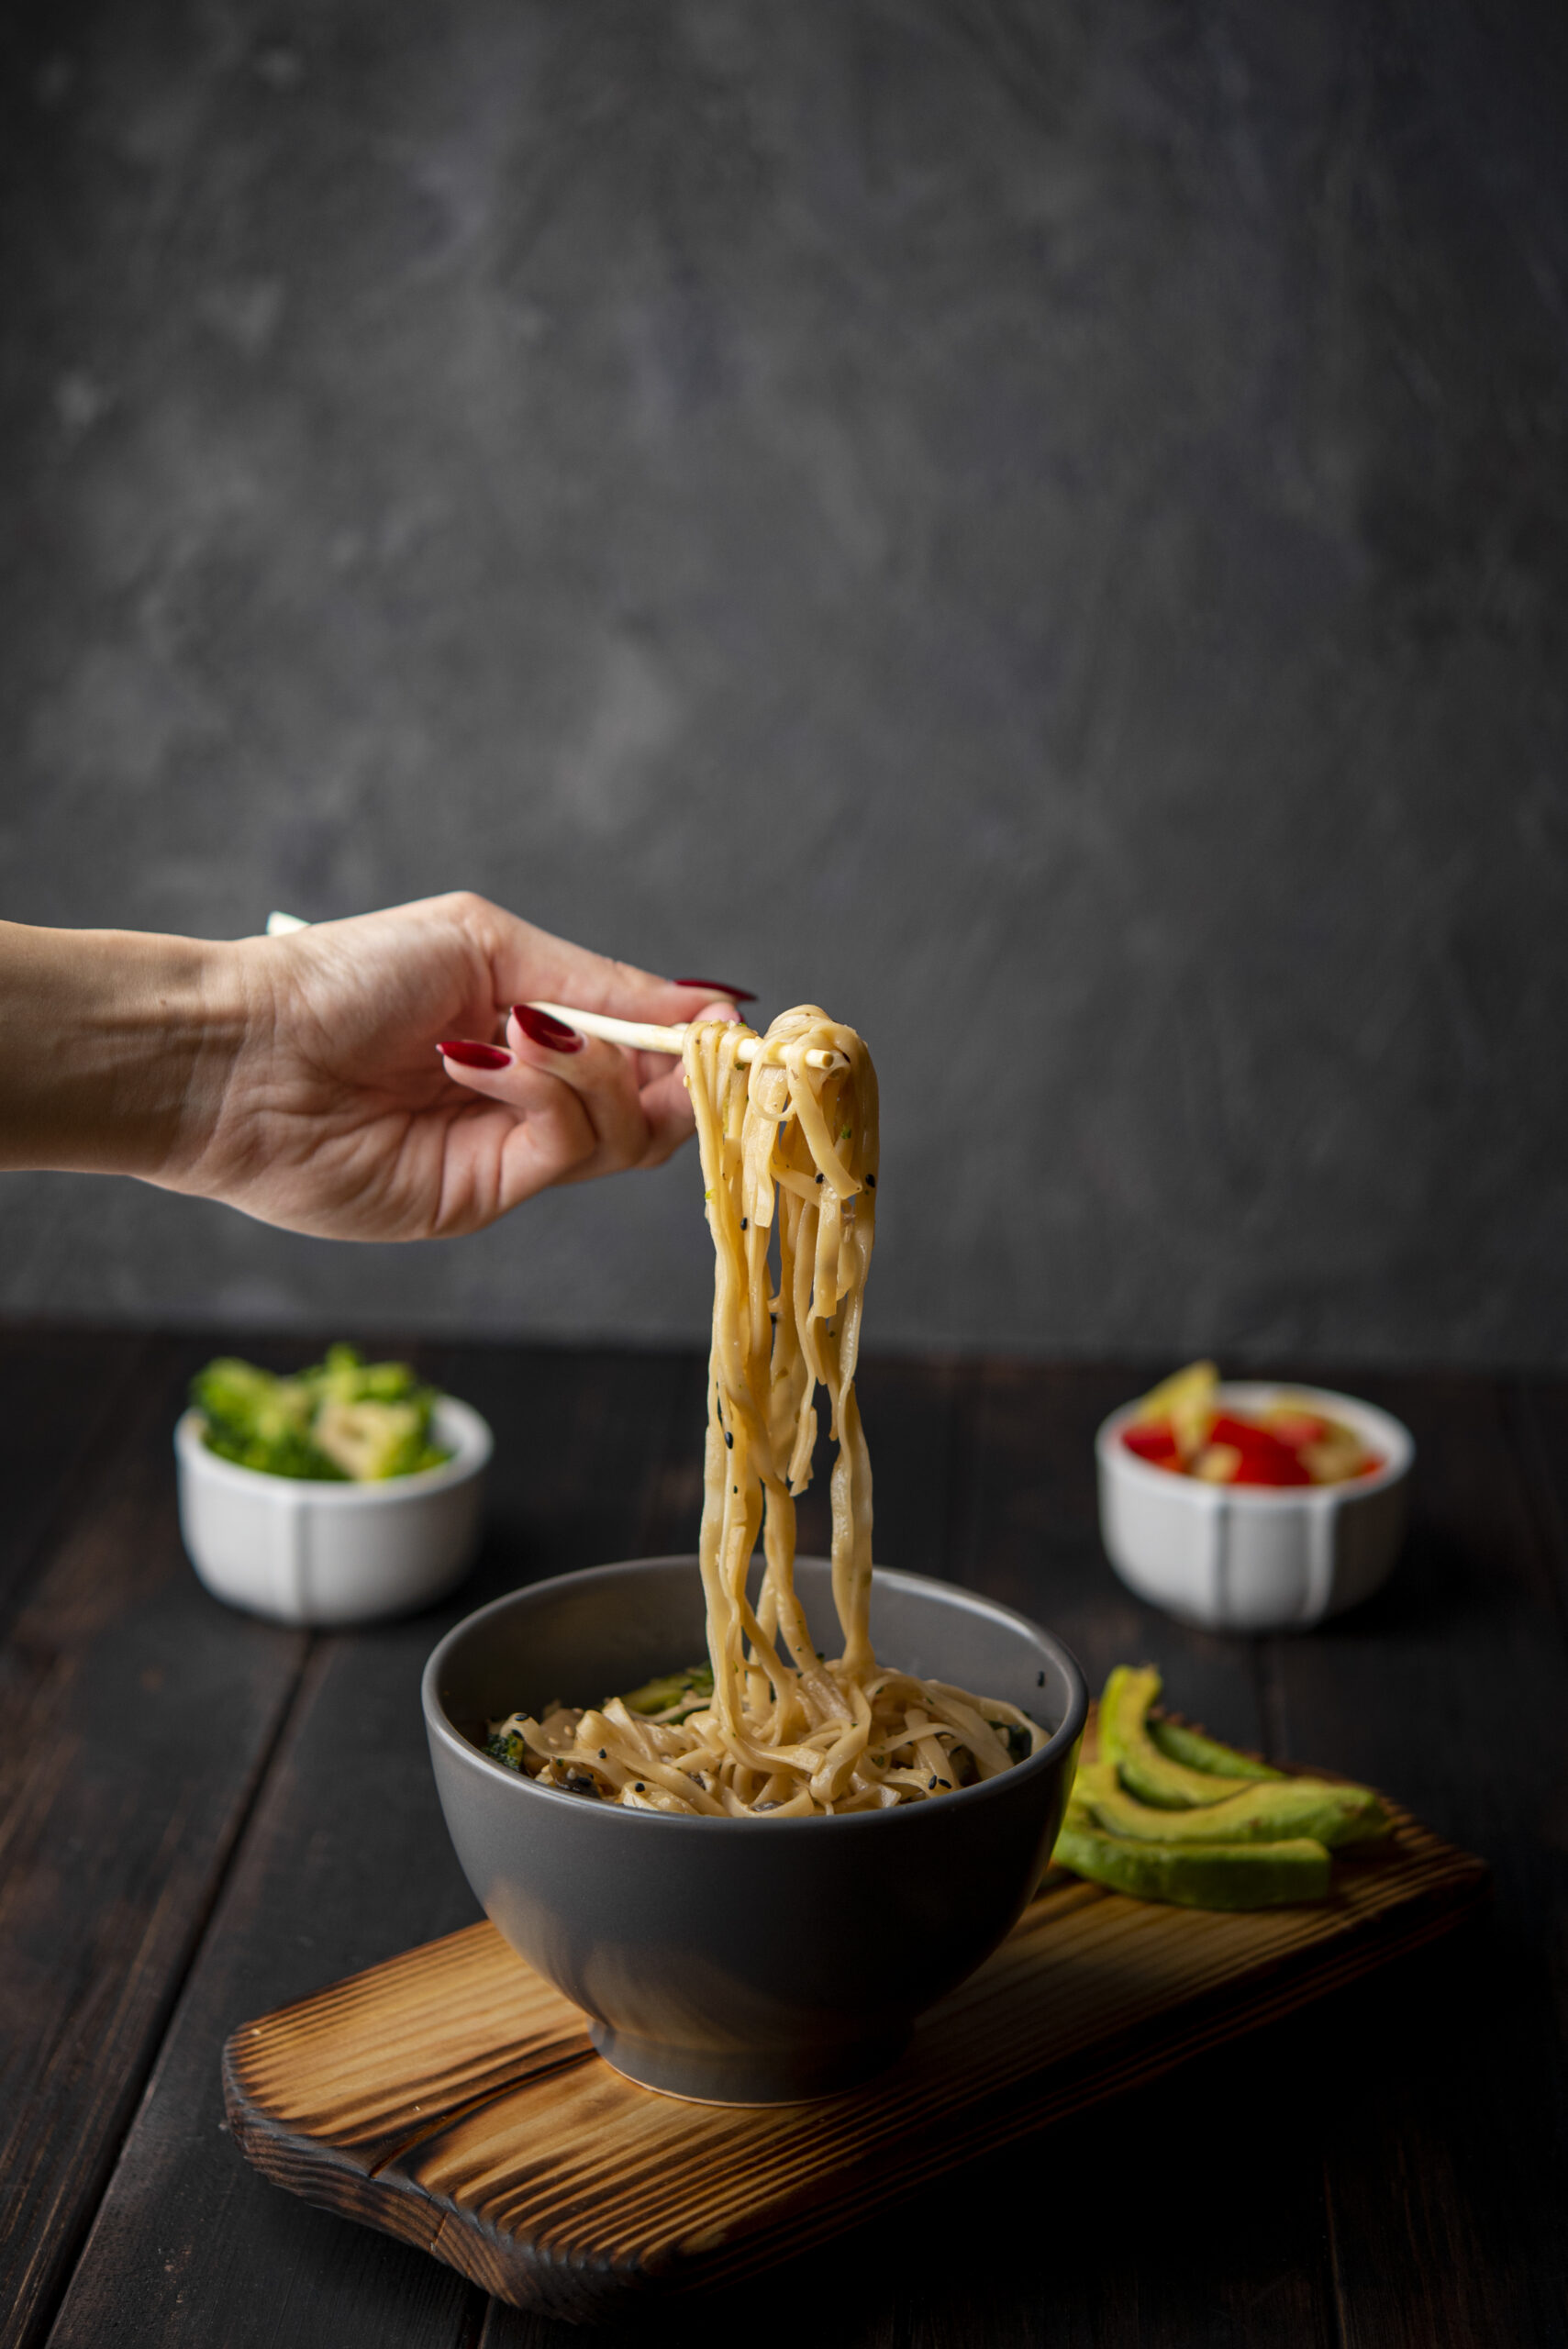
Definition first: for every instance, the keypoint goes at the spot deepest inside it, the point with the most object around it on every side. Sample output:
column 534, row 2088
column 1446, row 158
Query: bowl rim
column 459, row 1423
column 617, row 1819
column 1381, row 1426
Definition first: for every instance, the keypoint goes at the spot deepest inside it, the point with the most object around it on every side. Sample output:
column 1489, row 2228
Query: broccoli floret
column 345, row 1377
column 259, row 1422
column 372, row 1441
column 341, row 1420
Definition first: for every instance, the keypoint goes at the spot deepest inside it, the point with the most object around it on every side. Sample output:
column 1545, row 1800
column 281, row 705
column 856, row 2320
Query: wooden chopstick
column 644, row 1036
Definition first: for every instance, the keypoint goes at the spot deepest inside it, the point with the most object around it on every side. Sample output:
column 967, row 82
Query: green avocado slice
column 1179, row 1744
column 1279, row 1811
column 1211, row 1876
column 1145, row 1772
column 673, row 1695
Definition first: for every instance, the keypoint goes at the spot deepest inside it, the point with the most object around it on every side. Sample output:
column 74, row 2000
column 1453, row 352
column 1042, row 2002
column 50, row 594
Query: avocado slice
column 1125, row 1740
column 1179, row 1744
column 1211, row 1876
column 672, row 1695
column 1254, row 1813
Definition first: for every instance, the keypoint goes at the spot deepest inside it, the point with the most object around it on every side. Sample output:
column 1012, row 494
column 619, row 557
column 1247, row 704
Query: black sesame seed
column 743, row 1224
column 729, row 1439
column 819, row 1179
column 1039, row 1680
column 604, row 1756
column 639, row 1789
column 930, row 1786
column 870, row 1182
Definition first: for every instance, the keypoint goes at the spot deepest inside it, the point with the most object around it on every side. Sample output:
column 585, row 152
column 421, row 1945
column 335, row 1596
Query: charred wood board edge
column 367, row 2182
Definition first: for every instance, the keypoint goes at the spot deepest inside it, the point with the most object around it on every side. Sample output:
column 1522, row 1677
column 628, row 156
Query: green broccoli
column 345, row 1377
column 260, row 1422
column 372, row 1441
column 343, row 1419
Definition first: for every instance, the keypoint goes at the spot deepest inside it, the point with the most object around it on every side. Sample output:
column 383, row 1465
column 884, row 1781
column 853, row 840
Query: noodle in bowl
column 788, row 1143
column 754, row 1894
column 744, row 1960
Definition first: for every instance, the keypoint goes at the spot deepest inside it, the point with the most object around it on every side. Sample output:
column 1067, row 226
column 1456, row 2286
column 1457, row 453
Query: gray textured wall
column 1042, row 527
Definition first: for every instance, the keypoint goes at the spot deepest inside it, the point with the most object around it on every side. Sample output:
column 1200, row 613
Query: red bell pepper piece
column 1264, row 1459
column 1154, row 1441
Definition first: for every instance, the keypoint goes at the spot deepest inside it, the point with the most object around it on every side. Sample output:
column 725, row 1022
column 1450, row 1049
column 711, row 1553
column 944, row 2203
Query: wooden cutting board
column 451, row 2097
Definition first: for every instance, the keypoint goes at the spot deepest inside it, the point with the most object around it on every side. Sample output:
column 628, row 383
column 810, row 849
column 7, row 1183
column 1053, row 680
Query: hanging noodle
column 789, row 1160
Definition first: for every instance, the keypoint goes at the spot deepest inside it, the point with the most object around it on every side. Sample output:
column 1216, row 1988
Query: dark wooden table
column 202, row 1817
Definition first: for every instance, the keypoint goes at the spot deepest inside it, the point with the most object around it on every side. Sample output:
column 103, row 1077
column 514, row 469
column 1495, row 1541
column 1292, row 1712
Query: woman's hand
column 298, row 1078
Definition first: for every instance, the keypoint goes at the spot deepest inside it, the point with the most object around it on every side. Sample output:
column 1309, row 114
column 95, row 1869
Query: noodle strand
column 789, row 1162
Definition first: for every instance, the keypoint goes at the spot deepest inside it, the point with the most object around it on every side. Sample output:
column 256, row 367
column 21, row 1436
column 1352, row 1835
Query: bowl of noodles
column 747, row 1957
column 753, row 1814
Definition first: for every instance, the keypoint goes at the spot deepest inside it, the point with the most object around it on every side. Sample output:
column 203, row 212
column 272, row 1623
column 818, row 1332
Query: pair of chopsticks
column 641, row 1035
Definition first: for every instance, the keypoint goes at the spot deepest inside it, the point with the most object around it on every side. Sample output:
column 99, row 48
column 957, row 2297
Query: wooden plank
column 912, row 1422
column 136, row 1715
column 593, row 1447
column 64, row 1410
column 451, row 2096
column 1030, row 1536
column 346, row 1860
column 1539, row 1410
column 1444, row 2156
column 954, row 2268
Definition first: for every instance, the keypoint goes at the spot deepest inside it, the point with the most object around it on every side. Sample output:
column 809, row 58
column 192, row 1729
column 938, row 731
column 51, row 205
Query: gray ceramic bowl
column 743, row 1961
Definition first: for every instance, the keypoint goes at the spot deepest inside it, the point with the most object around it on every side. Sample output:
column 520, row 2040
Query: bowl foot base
column 789, row 2077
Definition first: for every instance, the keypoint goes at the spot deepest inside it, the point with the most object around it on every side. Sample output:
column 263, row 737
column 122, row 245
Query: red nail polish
column 542, row 1028
column 716, row 986
column 469, row 1055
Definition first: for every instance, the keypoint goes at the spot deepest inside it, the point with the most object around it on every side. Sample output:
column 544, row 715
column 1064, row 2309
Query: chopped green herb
column 508, row 1747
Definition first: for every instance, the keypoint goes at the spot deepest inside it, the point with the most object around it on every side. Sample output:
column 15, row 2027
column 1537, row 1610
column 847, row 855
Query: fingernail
column 716, row 986
column 467, row 1055
column 543, row 1027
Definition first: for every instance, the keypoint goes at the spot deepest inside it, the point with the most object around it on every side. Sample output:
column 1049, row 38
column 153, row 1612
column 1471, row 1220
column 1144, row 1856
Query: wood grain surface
column 452, row 2098
column 121, row 1804
column 1390, row 2161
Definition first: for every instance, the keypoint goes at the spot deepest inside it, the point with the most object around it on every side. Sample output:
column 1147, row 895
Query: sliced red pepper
column 1154, row 1441
column 1264, row 1459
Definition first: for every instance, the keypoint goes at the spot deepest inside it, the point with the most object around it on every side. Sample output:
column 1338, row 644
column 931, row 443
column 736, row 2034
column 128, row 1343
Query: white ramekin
column 1249, row 1557
column 304, row 1552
